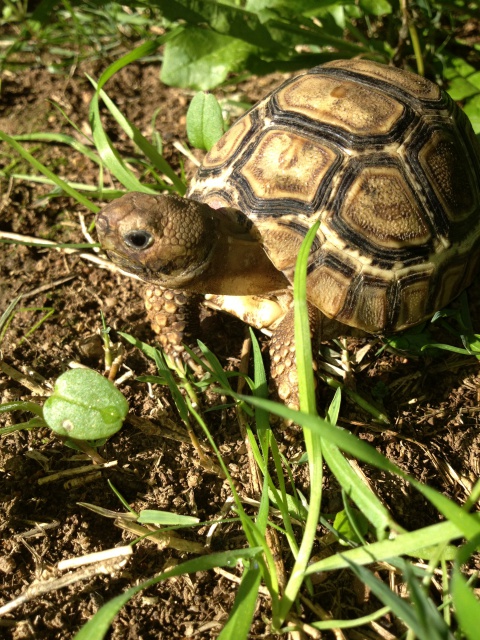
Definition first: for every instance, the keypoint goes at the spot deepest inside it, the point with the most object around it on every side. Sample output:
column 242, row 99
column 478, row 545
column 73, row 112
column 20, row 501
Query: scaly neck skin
column 238, row 266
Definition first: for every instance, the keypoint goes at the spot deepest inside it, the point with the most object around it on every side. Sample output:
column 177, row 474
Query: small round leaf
column 84, row 405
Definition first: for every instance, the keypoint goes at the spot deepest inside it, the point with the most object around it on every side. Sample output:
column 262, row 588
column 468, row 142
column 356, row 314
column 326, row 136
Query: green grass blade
column 97, row 627
column 466, row 605
column 421, row 543
column 313, row 440
column 361, row 450
column 303, row 347
column 426, row 624
column 49, row 174
column 104, row 145
column 142, row 143
column 350, row 624
column 164, row 372
column 60, row 138
column 239, row 621
column 363, row 497
column 466, row 522
column 110, row 156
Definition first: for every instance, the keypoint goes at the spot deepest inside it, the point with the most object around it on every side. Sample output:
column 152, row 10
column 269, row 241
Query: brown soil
column 432, row 403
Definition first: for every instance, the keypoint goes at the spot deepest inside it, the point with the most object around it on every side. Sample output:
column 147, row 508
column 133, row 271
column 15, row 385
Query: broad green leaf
column 201, row 59
column 222, row 18
column 204, row 121
column 472, row 109
column 85, row 406
column 343, row 525
column 474, row 79
column 457, row 66
column 292, row 6
column 376, row 7
column 461, row 88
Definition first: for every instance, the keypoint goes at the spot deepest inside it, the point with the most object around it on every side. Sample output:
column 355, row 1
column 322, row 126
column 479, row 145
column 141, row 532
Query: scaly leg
column 283, row 365
column 174, row 316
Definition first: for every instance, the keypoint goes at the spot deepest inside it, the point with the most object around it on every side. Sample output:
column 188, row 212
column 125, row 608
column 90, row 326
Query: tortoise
column 382, row 157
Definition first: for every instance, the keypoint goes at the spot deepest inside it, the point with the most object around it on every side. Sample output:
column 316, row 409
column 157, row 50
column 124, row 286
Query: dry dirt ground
column 432, row 404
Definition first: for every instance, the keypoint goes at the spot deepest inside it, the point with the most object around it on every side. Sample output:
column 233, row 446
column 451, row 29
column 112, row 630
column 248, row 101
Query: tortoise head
column 164, row 239
column 175, row 242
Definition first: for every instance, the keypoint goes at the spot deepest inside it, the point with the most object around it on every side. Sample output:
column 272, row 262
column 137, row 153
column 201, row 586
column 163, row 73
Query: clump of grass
column 208, row 41
column 364, row 532
column 378, row 540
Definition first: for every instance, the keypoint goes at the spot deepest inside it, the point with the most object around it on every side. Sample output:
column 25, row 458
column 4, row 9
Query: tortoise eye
column 138, row 239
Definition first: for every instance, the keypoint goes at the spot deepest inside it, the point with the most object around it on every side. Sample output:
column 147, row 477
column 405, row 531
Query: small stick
column 41, row 588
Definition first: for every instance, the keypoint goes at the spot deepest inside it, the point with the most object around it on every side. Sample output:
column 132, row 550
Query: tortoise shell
column 388, row 164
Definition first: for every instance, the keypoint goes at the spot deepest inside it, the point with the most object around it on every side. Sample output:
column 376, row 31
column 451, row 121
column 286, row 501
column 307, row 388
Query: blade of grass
column 346, row 441
column 418, row 543
column 363, row 497
column 239, row 621
column 466, row 605
column 142, row 143
column 60, row 138
column 313, row 440
column 427, row 624
column 97, row 627
column 49, row 174
column 104, row 145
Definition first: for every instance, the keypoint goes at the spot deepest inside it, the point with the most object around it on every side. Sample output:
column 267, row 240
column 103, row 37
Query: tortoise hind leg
column 175, row 318
column 283, row 366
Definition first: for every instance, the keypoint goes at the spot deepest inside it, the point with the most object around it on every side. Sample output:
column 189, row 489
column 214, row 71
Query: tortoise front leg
column 283, row 363
column 175, row 317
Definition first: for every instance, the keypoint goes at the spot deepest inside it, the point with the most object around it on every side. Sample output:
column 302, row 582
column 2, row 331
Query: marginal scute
column 341, row 103
column 300, row 166
column 448, row 280
column 381, row 207
column 281, row 244
column 413, row 294
column 328, row 289
column 442, row 159
column 371, row 306
column 472, row 264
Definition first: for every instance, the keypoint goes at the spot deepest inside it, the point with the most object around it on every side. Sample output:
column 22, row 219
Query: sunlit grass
column 378, row 541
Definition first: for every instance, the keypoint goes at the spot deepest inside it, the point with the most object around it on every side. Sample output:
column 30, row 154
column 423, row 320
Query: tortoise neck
column 238, row 264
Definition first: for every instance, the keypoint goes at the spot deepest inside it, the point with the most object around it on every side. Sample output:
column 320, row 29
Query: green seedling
column 350, row 526
column 84, row 406
column 205, row 125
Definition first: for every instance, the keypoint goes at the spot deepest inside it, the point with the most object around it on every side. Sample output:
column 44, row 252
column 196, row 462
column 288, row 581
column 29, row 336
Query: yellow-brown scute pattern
column 342, row 103
column 381, row 205
column 390, row 167
column 300, row 166
column 452, row 180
